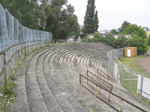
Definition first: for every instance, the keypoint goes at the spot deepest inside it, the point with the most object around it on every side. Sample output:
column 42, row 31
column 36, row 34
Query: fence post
column 96, row 100
column 130, row 83
column 122, row 69
column 5, row 73
column 141, row 88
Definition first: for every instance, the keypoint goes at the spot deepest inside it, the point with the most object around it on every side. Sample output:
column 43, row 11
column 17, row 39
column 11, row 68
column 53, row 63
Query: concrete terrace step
column 51, row 81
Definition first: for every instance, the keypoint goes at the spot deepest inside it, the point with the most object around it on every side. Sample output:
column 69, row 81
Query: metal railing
column 11, row 55
column 94, row 91
column 101, row 80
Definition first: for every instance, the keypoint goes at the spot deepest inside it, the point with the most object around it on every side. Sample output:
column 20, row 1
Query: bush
column 120, row 42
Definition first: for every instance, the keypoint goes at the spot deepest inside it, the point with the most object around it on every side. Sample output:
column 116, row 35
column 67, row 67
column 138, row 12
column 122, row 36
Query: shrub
column 120, row 42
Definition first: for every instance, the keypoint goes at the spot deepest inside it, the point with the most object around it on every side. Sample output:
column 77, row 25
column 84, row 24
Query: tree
column 124, row 26
column 55, row 16
column 91, row 18
column 24, row 10
column 61, row 21
column 96, row 21
column 134, row 29
column 114, row 31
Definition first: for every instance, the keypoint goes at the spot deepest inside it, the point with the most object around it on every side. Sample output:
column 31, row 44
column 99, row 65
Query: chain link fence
column 131, row 80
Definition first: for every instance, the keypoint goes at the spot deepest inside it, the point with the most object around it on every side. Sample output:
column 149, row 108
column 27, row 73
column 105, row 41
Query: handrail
column 80, row 80
column 4, row 54
column 6, row 49
column 105, row 75
column 122, row 99
column 105, row 83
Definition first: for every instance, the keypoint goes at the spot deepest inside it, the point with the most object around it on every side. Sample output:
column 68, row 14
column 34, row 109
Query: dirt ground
column 145, row 63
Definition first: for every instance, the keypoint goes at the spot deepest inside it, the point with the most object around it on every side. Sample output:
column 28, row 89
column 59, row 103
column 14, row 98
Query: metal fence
column 124, row 74
column 16, row 40
column 12, row 32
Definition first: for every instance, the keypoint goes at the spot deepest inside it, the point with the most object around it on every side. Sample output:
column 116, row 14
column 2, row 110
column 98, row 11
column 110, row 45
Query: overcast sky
column 112, row 13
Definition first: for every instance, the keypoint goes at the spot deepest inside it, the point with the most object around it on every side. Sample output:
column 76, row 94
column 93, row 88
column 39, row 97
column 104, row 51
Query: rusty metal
column 5, row 73
column 106, row 76
column 103, row 83
column 93, row 82
column 101, row 99
column 96, row 100
column 3, row 52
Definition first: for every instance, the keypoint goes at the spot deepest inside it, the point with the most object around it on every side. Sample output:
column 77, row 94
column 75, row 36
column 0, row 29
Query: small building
column 131, row 51
column 120, row 35
column 90, row 36
column 148, row 34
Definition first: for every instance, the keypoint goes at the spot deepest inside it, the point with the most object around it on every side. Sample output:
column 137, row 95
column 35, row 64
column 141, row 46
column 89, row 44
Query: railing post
column 87, row 76
column 81, row 94
column 99, row 87
column 109, row 97
column 5, row 73
column 96, row 100
column 121, row 107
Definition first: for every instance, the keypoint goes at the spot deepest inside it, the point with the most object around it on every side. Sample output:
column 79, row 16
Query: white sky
column 112, row 13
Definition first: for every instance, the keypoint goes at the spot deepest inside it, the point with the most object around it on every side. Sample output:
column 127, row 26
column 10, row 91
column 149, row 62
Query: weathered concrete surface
column 51, row 81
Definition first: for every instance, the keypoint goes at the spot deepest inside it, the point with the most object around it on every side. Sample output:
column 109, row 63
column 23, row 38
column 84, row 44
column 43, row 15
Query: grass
column 132, row 62
column 8, row 95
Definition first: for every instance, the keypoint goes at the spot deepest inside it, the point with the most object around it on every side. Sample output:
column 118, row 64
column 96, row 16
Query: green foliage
column 7, row 96
column 96, row 21
column 56, row 16
column 137, row 30
column 24, row 10
column 148, row 41
column 124, row 26
column 120, row 42
column 61, row 21
column 91, row 18
column 114, row 31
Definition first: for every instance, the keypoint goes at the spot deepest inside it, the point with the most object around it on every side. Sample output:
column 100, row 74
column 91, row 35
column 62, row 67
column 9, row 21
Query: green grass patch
column 7, row 96
column 133, row 63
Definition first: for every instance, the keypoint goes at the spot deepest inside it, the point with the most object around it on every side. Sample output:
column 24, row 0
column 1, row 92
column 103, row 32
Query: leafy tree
column 114, row 31
column 24, row 10
column 91, row 18
column 134, row 29
column 121, row 42
column 124, row 26
column 55, row 16
column 61, row 21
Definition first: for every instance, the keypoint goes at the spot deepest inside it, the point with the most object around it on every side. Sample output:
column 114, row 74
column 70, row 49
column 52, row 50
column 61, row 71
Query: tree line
column 138, row 38
column 56, row 16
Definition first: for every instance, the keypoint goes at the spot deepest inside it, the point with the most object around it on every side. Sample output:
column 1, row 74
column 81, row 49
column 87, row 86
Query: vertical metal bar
column 130, row 83
column 109, row 97
column 96, row 100
column 99, row 87
column 81, row 94
column 122, row 74
column 87, row 76
column 5, row 73
column 121, row 106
